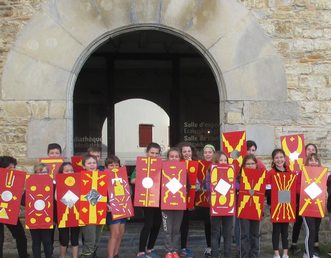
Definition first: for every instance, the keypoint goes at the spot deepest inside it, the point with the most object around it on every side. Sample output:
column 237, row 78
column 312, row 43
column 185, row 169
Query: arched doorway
column 153, row 65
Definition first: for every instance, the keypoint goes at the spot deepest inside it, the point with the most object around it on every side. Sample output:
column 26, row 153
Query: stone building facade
column 271, row 60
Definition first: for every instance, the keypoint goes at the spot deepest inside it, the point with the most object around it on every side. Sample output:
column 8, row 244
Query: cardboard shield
column 148, row 181
column 39, row 202
column 93, row 198
column 313, row 192
column 283, row 197
column 192, row 169
column 77, row 163
column 222, row 190
column 173, row 187
column 294, row 148
column 234, row 146
column 68, row 199
column 53, row 164
column 201, row 196
column 251, row 194
column 119, row 194
column 11, row 190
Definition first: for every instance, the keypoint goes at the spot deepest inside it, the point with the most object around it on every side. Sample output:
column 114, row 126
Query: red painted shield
column 283, row 196
column 251, row 194
column 202, row 196
column 53, row 164
column 93, row 198
column 294, row 148
column 234, row 146
column 222, row 190
column 77, row 163
column 191, row 168
column 68, row 199
column 11, row 190
column 313, row 192
column 39, row 202
column 173, row 187
column 119, row 194
column 148, row 181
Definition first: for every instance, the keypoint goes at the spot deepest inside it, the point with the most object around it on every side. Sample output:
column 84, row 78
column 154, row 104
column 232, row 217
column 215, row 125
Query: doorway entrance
column 154, row 66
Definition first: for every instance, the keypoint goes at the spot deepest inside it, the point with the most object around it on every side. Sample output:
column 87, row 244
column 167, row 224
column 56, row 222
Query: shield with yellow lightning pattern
column 119, row 194
column 313, row 192
column 202, row 196
column 294, row 148
column 234, row 146
column 283, row 196
column 53, row 164
column 192, row 169
column 251, row 194
column 148, row 181
column 11, row 190
column 173, row 187
column 68, row 199
column 77, row 163
column 222, row 190
column 39, row 202
column 93, row 197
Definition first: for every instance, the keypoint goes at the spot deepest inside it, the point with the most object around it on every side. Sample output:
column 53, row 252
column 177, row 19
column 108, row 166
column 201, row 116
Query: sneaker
column 175, row 255
column 169, row 255
column 208, row 252
column 186, row 253
column 152, row 254
column 317, row 251
column 294, row 249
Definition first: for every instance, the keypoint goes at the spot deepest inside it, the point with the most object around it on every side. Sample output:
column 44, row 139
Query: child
column 312, row 225
column 187, row 152
column 294, row 249
column 90, row 233
column 96, row 152
column 116, row 227
column 279, row 229
column 208, row 153
column 153, row 218
column 66, row 168
column 249, row 229
column 17, row 231
column 172, row 219
column 41, row 236
column 220, row 225
column 54, row 150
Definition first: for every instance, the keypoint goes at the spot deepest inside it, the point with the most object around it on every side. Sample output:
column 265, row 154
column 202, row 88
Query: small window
column 145, row 135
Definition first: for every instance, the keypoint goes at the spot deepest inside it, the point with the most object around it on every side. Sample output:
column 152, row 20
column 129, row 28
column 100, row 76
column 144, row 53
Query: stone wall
column 300, row 31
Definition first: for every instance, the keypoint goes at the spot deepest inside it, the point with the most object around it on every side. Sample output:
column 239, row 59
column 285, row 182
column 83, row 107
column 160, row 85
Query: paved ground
column 130, row 242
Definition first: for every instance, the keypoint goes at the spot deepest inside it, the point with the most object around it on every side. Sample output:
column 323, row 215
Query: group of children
column 175, row 223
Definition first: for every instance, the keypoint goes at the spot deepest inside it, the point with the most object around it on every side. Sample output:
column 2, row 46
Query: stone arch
column 47, row 56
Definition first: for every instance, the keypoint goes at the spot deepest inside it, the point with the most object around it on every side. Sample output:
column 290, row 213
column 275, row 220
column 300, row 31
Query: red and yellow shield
column 77, row 163
column 68, row 199
column 192, row 169
column 313, row 192
column 93, row 198
column 119, row 194
column 294, row 148
column 53, row 164
column 283, row 196
column 222, row 190
column 251, row 194
column 173, row 187
column 11, row 190
column 148, row 181
column 39, row 202
column 202, row 196
column 234, row 146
